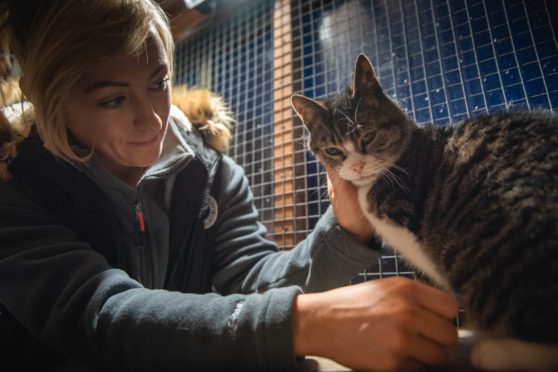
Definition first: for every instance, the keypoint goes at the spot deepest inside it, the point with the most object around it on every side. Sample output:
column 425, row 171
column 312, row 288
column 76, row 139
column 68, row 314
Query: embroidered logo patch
column 212, row 212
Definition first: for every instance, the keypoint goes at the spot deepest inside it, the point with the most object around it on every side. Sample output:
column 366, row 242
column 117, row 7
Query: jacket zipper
column 143, row 275
column 181, row 256
column 141, row 224
column 146, row 256
column 140, row 217
column 186, row 260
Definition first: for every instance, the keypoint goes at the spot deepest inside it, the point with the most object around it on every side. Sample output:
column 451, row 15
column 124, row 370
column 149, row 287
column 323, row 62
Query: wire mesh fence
column 442, row 60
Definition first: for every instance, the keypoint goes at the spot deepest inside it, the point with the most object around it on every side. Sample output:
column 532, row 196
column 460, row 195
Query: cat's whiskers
column 321, row 191
column 304, row 142
column 351, row 123
column 391, row 182
column 400, row 169
column 393, row 177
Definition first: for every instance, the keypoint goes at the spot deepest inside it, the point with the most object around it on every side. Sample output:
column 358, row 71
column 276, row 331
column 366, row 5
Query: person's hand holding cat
column 344, row 201
column 385, row 324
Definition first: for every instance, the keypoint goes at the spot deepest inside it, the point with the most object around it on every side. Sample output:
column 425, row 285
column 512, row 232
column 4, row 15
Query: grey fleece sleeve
column 247, row 262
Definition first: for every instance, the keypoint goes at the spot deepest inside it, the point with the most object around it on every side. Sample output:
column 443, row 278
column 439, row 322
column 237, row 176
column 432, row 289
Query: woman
column 129, row 243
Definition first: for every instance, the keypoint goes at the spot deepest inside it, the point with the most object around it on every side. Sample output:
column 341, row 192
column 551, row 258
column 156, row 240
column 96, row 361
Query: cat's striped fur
column 474, row 206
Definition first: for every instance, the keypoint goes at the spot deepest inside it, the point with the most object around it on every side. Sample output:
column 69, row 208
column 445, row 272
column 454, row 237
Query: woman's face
column 120, row 108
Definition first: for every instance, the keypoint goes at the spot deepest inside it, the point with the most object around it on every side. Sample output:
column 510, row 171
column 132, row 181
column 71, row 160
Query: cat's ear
column 307, row 109
column 364, row 79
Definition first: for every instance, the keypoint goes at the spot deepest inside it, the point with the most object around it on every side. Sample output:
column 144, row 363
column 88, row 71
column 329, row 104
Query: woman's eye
column 161, row 86
column 113, row 103
column 333, row 151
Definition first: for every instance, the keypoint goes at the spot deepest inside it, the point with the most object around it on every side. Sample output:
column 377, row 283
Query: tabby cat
column 473, row 206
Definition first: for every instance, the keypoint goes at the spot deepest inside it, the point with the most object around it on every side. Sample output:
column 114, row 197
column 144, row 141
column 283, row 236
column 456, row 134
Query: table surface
column 458, row 360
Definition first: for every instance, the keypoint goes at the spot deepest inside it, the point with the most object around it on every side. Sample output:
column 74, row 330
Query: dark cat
column 473, row 206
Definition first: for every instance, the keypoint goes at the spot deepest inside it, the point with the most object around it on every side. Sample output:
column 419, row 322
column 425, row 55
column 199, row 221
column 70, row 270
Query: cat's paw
column 501, row 354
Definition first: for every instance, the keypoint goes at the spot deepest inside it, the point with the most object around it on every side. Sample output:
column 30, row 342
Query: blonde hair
column 55, row 42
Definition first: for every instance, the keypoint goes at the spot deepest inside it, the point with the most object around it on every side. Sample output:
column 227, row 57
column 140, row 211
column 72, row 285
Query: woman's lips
column 145, row 143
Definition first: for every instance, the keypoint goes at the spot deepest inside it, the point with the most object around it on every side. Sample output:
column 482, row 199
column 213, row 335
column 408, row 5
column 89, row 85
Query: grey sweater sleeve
column 247, row 262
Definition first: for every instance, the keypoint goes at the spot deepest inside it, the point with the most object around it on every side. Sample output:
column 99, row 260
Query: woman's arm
column 67, row 296
column 247, row 262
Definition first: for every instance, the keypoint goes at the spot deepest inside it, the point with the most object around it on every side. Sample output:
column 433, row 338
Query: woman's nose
column 146, row 116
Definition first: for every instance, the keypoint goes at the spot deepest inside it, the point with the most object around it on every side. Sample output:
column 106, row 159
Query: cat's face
column 359, row 132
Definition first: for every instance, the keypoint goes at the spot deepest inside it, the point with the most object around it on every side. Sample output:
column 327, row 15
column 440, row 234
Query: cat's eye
column 367, row 138
column 333, row 151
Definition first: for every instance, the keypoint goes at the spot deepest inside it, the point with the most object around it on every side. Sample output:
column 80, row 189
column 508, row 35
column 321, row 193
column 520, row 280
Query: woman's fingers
column 438, row 301
column 379, row 325
column 428, row 352
column 413, row 365
column 436, row 328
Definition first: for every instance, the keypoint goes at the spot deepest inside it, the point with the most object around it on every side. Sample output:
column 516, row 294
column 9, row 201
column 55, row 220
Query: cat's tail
column 208, row 112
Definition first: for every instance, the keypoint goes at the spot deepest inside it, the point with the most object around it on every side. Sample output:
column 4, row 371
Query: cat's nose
column 358, row 167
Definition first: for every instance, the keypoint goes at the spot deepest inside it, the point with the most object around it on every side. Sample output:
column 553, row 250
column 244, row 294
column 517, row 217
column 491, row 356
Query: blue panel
column 541, row 100
column 534, row 87
column 453, row 77
column 514, row 92
column 495, row 98
column 485, row 53
column 552, row 82
column 473, row 87
column 497, row 15
column 422, row 116
column 419, row 87
column 476, row 102
column 511, row 76
column 437, row 96
column 455, row 92
column 435, row 82
column 547, row 49
column 470, row 72
column 491, row 82
column 500, row 32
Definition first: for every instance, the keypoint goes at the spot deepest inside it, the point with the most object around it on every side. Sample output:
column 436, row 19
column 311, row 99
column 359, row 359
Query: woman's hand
column 385, row 324
column 344, row 201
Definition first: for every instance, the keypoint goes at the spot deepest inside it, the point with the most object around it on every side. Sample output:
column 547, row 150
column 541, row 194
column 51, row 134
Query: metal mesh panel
column 234, row 59
column 442, row 60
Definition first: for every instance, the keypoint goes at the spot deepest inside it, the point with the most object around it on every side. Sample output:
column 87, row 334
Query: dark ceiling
column 187, row 21
column 184, row 21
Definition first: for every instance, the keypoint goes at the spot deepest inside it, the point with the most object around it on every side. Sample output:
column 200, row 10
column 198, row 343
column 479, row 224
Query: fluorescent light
column 191, row 4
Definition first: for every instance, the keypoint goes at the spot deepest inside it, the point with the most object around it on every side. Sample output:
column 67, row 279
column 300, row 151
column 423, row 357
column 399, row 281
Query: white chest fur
column 403, row 241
